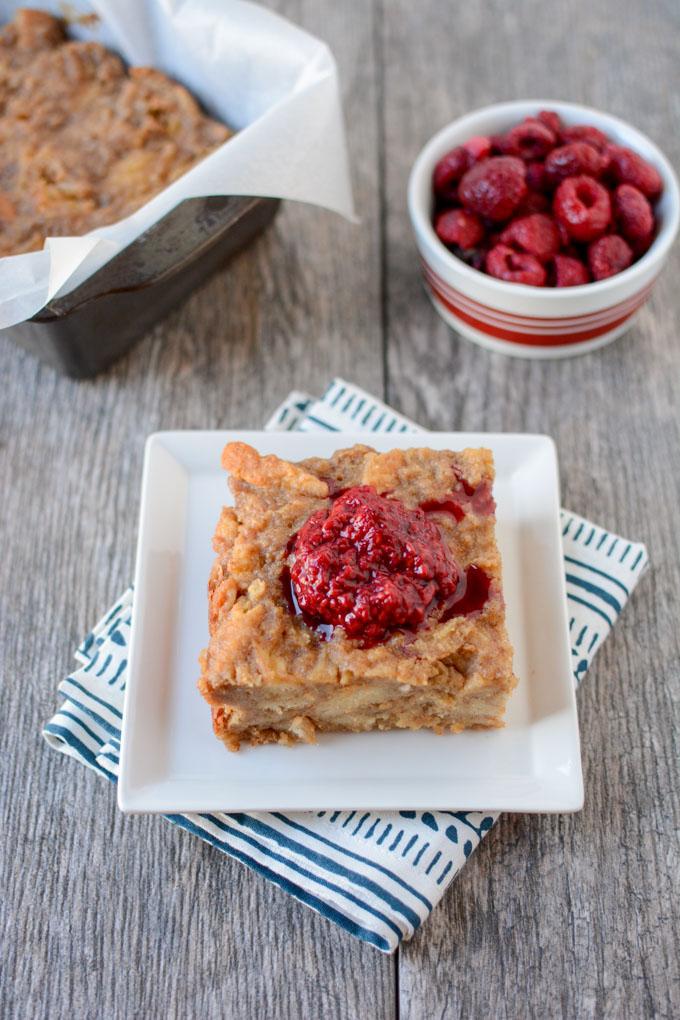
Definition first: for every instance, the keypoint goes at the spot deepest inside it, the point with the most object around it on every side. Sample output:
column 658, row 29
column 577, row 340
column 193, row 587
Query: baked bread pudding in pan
column 85, row 141
column 357, row 593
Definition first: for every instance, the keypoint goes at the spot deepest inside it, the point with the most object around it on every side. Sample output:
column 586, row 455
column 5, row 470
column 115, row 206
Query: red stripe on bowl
column 533, row 324
column 537, row 332
column 533, row 339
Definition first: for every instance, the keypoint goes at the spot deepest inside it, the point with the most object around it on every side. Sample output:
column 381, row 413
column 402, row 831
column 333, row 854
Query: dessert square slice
column 357, row 593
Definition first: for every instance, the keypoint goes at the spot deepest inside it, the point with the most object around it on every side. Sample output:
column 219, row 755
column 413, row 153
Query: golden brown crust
column 246, row 465
column 83, row 142
column 270, row 678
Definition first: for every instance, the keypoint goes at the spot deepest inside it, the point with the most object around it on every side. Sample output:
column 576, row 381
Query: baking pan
column 83, row 332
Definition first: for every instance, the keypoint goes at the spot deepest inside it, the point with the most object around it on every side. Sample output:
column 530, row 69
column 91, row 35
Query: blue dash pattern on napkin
column 376, row 874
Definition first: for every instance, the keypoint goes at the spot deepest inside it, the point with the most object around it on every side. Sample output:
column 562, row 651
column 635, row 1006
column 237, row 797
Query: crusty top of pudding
column 85, row 141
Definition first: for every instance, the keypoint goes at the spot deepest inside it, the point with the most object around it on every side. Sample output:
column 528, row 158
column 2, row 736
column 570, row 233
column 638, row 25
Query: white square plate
column 170, row 760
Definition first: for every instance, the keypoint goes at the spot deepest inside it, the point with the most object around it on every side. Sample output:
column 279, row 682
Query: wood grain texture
column 105, row 916
column 572, row 916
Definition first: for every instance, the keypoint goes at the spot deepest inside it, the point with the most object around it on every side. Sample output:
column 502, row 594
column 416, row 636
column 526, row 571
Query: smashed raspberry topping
column 526, row 205
column 371, row 565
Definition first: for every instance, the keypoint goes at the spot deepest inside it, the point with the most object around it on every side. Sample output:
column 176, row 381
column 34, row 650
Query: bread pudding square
column 362, row 592
column 85, row 140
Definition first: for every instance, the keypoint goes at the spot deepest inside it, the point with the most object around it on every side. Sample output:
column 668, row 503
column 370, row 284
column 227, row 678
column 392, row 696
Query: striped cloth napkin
column 377, row 874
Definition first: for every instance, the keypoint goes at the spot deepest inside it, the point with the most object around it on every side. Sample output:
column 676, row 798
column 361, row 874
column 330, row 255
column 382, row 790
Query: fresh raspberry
column 551, row 120
column 569, row 271
column 459, row 228
column 517, row 267
column 494, row 188
column 537, row 235
column 532, row 205
column 448, row 172
column 531, row 140
column 633, row 213
column 584, row 133
column 609, row 256
column 571, row 160
column 536, row 179
column 629, row 168
column 478, row 147
column 583, row 206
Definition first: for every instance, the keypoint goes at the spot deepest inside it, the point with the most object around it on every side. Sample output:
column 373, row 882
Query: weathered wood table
column 111, row 917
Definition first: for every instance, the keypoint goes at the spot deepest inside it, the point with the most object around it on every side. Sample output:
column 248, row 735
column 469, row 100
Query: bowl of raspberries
column 541, row 225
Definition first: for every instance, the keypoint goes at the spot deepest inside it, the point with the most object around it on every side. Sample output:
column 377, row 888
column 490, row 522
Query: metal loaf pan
column 84, row 332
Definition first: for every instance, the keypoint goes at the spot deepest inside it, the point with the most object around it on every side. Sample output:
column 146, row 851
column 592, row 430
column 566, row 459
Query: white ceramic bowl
column 536, row 322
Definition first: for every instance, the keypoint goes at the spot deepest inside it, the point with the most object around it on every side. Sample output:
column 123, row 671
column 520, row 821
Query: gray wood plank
column 105, row 916
column 572, row 916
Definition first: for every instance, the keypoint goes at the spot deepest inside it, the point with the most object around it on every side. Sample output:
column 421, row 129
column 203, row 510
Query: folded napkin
column 377, row 874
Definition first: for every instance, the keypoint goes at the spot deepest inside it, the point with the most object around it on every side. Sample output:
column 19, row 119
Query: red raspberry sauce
column 371, row 565
column 464, row 499
column 471, row 596
column 443, row 506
